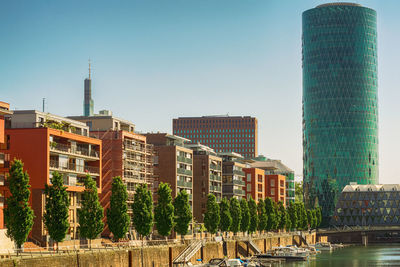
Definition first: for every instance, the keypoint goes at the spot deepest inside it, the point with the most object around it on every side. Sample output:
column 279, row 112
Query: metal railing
column 214, row 177
column 241, row 173
column 184, row 159
column 184, row 183
column 54, row 146
column 74, row 167
column 238, row 182
column 184, row 171
column 215, row 167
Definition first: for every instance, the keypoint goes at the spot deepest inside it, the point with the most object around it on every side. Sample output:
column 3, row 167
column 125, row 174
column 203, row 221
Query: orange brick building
column 4, row 158
column 255, row 186
column 275, row 187
column 124, row 153
column 44, row 150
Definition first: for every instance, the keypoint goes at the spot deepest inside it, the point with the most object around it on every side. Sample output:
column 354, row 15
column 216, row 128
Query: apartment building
column 271, row 166
column 275, row 187
column 4, row 158
column 46, row 143
column 255, row 183
column 173, row 162
column 221, row 133
column 124, row 153
column 207, row 178
column 233, row 176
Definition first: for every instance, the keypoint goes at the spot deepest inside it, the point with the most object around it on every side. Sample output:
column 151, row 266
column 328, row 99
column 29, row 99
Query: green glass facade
column 340, row 105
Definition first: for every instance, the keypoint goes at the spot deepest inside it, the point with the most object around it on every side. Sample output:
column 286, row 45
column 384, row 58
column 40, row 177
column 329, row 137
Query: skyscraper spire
column 89, row 68
column 88, row 101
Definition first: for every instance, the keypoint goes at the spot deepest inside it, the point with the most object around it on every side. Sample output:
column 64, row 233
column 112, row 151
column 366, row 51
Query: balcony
column 184, row 171
column 136, row 148
column 215, row 167
column 4, row 160
column 184, row 159
column 238, row 182
column 241, row 173
column 78, row 151
column 215, row 188
column 239, row 192
column 214, row 177
column 55, row 165
column 184, row 184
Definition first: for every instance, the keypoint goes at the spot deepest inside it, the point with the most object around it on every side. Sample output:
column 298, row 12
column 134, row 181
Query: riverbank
column 160, row 255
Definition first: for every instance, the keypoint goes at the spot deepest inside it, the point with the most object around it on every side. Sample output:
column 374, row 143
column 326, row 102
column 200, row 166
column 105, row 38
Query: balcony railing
column 73, row 167
column 215, row 188
column 184, row 171
column 54, row 146
column 237, row 172
column 214, row 177
column 184, row 183
column 184, row 159
column 215, row 167
column 239, row 192
column 139, row 148
column 238, row 182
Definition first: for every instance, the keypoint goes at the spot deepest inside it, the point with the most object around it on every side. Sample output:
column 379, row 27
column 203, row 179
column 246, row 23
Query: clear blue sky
column 157, row 60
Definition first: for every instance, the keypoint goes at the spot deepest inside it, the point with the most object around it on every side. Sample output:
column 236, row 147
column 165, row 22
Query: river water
column 372, row 255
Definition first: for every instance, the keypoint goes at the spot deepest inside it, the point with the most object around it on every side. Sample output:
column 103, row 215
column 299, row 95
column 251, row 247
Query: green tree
column 57, row 208
column 303, row 216
column 293, row 216
column 269, row 209
column 314, row 218
column 309, row 218
column 183, row 213
column 244, row 223
column 253, row 215
column 283, row 216
column 288, row 220
column 91, row 212
column 164, row 210
column 212, row 217
column 319, row 216
column 277, row 216
column 226, row 218
column 236, row 214
column 298, row 191
column 18, row 215
column 142, row 208
column 118, row 220
column 262, row 216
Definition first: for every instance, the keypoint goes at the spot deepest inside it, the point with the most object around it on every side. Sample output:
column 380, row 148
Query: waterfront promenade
column 156, row 253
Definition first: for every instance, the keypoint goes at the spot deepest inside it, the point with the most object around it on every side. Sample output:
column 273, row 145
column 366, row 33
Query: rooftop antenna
column 43, row 104
column 89, row 68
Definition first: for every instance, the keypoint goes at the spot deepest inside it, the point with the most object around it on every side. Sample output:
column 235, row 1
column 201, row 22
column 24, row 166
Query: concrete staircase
column 188, row 252
column 254, row 247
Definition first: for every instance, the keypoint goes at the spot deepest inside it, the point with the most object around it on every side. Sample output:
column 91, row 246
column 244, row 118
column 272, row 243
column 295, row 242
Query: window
column 272, row 182
column 272, row 192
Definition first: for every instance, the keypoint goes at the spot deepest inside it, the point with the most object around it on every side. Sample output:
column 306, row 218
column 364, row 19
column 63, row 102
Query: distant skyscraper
column 340, row 105
column 88, row 101
column 221, row 133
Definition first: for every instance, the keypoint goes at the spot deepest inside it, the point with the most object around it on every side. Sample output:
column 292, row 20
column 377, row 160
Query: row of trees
column 168, row 213
column 266, row 215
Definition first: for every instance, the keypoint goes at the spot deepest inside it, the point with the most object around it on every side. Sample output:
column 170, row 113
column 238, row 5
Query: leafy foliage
column 269, row 209
column 293, row 216
column 18, row 215
column 226, row 219
column 262, row 216
column 283, row 216
column 298, row 191
column 164, row 210
column 183, row 213
column 212, row 216
column 245, row 222
column 236, row 214
column 142, row 209
column 118, row 220
column 57, row 208
column 253, row 215
column 91, row 212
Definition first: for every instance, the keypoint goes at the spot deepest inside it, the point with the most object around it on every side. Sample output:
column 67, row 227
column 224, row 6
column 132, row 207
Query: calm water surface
column 372, row 255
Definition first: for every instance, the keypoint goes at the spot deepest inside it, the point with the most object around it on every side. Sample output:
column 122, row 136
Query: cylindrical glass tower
column 340, row 101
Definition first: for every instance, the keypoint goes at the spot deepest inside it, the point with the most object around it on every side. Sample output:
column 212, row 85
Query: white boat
column 288, row 253
column 323, row 246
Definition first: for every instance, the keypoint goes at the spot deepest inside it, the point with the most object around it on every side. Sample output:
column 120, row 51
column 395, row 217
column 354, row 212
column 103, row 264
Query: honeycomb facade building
column 340, row 105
